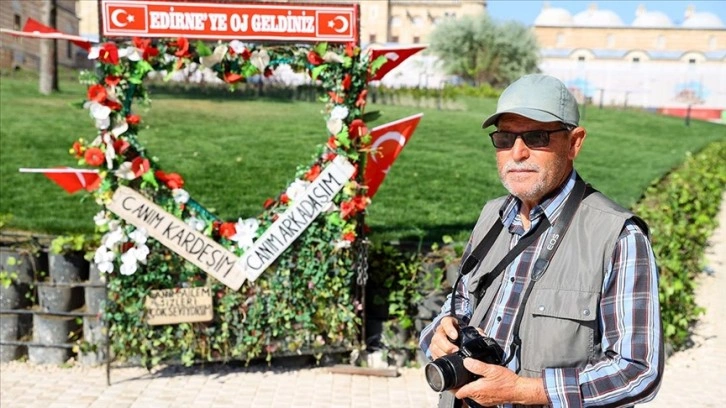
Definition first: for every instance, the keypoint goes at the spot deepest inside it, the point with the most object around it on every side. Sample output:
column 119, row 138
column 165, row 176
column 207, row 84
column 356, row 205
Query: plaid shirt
column 629, row 314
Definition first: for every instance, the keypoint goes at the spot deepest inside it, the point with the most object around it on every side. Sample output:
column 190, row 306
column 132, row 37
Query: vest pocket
column 558, row 329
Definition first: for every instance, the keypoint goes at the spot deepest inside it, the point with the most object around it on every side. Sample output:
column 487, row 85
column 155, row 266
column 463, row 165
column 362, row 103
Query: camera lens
column 447, row 372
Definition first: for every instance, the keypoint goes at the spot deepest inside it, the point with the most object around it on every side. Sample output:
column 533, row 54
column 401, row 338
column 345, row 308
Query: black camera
column 448, row 371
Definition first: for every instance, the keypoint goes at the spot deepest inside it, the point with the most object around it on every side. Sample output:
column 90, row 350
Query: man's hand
column 500, row 385
column 440, row 344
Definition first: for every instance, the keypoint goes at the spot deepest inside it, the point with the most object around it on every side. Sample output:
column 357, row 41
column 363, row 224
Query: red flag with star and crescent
column 394, row 56
column 387, row 141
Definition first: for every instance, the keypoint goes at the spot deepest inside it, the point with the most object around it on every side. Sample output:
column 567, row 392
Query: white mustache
column 514, row 166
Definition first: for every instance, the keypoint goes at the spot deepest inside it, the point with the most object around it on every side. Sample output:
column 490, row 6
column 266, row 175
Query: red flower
column 140, row 166
column 284, row 198
column 94, row 157
column 182, row 47
column 245, row 54
column 120, row 146
column 268, row 203
column 227, row 230
column 97, row 93
column 349, row 236
column 361, row 101
column 335, row 97
column 332, row 145
column 112, row 80
column 231, row 77
column 115, row 106
column 360, row 203
column 172, row 180
column 347, row 209
column 350, row 49
column 78, row 149
column 329, row 157
column 314, row 58
column 313, row 173
column 347, row 79
column 357, row 129
column 144, row 44
column 108, row 53
column 133, row 119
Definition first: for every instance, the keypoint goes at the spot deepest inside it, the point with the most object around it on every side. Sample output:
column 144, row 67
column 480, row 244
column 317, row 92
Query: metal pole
column 688, row 115
column 602, row 95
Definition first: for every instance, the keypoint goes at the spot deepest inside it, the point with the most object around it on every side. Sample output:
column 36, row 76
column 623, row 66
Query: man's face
column 531, row 173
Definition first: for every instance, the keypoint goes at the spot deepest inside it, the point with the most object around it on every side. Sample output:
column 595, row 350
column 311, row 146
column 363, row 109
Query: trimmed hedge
column 682, row 212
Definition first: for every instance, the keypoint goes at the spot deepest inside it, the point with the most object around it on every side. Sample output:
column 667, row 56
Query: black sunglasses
column 533, row 139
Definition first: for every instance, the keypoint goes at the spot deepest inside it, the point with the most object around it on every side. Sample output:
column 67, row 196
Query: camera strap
column 552, row 242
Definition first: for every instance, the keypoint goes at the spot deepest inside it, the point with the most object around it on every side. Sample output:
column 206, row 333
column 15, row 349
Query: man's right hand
column 446, row 332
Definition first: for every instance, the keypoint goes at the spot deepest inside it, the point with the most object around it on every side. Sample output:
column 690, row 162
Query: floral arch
column 308, row 300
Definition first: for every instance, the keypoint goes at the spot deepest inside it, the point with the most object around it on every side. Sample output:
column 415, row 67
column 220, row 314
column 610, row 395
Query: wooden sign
column 176, row 235
column 318, row 195
column 254, row 21
column 183, row 305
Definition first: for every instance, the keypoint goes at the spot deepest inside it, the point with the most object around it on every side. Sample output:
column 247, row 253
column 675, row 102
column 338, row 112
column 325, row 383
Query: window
column 16, row 22
column 712, row 42
column 416, row 39
column 691, row 60
column 660, row 42
column 374, row 12
column 395, row 21
column 69, row 50
column 371, row 38
column 560, row 41
column 417, row 21
column 394, row 38
column 636, row 59
column 610, row 40
column 581, row 58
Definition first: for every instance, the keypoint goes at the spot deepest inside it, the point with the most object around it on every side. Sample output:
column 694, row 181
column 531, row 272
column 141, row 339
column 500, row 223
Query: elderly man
column 560, row 278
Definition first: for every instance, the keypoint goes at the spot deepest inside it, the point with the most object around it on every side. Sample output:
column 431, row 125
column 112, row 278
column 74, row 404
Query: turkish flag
column 34, row 26
column 125, row 17
column 395, row 56
column 387, row 141
column 72, row 180
column 335, row 23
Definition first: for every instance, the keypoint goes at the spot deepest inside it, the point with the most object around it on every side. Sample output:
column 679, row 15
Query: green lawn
column 235, row 153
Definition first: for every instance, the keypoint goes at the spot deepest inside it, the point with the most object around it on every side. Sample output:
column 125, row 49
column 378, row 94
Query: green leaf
column 149, row 178
column 317, row 70
column 202, row 49
column 321, row 48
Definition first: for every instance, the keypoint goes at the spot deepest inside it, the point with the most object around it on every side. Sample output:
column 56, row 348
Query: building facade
column 651, row 63
column 22, row 52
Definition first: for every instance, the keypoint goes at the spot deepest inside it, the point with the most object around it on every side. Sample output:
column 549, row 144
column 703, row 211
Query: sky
column 526, row 11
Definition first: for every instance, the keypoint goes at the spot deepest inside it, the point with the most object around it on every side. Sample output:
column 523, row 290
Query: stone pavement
column 693, row 378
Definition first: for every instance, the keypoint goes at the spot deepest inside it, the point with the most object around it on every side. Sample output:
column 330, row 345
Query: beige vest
column 560, row 324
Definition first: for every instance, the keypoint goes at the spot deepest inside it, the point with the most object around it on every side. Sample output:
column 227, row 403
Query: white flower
column 104, row 259
column 339, row 112
column 331, row 56
column 120, row 129
column 132, row 53
column 245, row 232
column 216, row 56
column 112, row 238
column 196, row 223
column 334, row 126
column 141, row 252
column 260, row 59
column 124, row 171
column 237, row 46
column 180, row 195
column 100, row 218
column 297, row 189
column 128, row 268
column 139, row 236
column 331, row 207
column 99, row 111
column 94, row 52
column 110, row 154
column 342, row 244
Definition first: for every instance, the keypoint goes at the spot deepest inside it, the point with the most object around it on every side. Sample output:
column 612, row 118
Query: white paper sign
column 176, row 235
column 296, row 218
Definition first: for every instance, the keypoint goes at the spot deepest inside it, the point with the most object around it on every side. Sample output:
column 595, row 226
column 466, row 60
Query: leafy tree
column 481, row 50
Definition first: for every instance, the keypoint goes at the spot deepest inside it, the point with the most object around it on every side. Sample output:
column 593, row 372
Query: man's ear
column 577, row 138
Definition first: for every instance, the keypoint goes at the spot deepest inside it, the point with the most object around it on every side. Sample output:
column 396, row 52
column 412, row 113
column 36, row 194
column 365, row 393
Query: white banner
column 296, row 218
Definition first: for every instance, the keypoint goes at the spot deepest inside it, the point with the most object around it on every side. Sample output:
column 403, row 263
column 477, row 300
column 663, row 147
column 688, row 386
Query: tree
column 481, row 50
column 48, row 82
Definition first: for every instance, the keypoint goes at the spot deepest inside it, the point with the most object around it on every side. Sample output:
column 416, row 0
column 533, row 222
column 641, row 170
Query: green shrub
column 681, row 210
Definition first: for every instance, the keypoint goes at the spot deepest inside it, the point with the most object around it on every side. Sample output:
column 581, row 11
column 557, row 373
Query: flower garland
column 320, row 257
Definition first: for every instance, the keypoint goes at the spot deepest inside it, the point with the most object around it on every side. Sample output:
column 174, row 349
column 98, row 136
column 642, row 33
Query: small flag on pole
column 387, row 141
column 70, row 179
column 35, row 29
